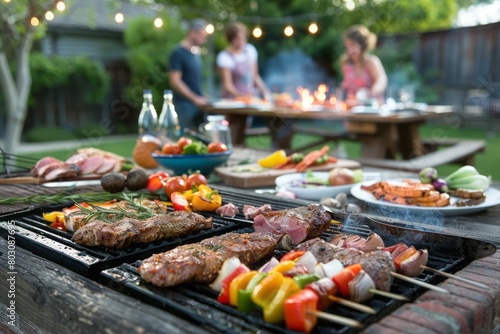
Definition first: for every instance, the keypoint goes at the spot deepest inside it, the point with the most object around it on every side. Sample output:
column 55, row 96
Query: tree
column 21, row 22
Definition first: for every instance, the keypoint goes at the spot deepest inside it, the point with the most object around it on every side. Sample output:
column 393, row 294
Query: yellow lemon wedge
column 278, row 157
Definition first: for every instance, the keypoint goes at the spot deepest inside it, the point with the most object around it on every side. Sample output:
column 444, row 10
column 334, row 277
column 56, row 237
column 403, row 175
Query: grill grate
column 34, row 234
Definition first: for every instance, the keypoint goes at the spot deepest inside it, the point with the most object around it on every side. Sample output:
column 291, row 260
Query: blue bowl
column 183, row 163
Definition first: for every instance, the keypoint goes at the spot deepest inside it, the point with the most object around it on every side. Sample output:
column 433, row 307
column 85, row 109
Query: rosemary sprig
column 63, row 197
column 114, row 213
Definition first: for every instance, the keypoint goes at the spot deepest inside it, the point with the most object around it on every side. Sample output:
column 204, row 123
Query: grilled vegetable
column 300, row 310
column 206, row 199
column 224, row 295
column 428, row 174
column 245, row 303
column 343, row 278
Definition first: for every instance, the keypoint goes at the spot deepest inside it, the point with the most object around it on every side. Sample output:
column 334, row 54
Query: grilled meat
column 129, row 230
column 227, row 210
column 251, row 211
column 467, row 193
column 378, row 264
column 202, row 261
column 470, row 201
column 301, row 223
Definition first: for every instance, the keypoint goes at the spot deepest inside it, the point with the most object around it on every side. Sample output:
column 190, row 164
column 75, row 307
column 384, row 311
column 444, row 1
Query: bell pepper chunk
column 406, row 254
column 300, row 311
column 292, row 256
column 180, row 202
column 305, row 279
column 283, row 266
column 225, row 291
column 343, row 278
column 206, row 199
column 240, row 282
column 245, row 303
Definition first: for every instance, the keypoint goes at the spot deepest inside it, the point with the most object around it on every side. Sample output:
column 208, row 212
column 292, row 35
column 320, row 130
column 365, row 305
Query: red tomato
column 174, row 184
column 170, row 148
column 183, row 141
column 156, row 181
column 216, row 146
column 195, row 180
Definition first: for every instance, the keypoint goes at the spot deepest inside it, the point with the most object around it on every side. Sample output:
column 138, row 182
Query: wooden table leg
column 410, row 144
column 379, row 145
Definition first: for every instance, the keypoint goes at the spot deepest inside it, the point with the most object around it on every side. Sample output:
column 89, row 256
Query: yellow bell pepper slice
column 240, row 282
column 271, row 161
column 284, row 266
column 53, row 216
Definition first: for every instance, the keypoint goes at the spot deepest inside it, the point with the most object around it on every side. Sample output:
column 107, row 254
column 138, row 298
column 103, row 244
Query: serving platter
column 492, row 199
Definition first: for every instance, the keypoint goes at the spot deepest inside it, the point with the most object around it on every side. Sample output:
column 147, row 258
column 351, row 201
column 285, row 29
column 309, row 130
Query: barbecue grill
column 197, row 303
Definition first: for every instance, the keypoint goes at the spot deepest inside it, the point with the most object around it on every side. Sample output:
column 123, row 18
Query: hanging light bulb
column 158, row 22
column 49, row 16
column 34, row 21
column 119, row 18
column 6, row 0
column 313, row 28
column 60, row 6
column 288, row 31
column 210, row 28
column 257, row 32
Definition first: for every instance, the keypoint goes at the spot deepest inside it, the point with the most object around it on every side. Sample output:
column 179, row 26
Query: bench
column 442, row 152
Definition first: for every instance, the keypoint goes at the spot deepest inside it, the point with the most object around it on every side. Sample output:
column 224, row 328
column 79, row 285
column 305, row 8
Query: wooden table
column 382, row 135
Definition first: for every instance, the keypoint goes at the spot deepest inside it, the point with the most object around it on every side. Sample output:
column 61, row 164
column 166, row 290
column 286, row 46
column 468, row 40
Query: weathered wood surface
column 52, row 299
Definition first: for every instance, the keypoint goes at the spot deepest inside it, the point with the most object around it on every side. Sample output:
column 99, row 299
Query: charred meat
column 201, row 262
column 129, row 230
column 301, row 223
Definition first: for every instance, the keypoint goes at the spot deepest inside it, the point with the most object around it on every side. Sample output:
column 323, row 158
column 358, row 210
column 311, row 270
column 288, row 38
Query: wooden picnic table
column 383, row 135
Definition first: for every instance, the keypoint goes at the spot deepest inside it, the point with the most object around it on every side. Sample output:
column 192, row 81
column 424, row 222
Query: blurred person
column 238, row 67
column 185, row 76
column 362, row 72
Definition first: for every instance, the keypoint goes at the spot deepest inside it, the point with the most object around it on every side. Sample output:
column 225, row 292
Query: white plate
column 229, row 104
column 492, row 199
column 314, row 193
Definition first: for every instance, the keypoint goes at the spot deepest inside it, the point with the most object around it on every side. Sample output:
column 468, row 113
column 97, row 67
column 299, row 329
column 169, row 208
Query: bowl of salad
column 314, row 185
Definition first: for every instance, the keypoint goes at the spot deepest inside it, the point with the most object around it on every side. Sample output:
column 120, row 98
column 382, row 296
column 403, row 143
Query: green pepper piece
column 297, row 157
column 305, row 279
column 195, row 147
column 245, row 303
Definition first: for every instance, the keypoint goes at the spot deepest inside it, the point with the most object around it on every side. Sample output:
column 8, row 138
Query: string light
column 6, row 0
column 257, row 32
column 60, row 6
column 210, row 28
column 313, row 28
column 158, row 22
column 49, row 16
column 119, row 18
column 288, row 31
column 34, row 21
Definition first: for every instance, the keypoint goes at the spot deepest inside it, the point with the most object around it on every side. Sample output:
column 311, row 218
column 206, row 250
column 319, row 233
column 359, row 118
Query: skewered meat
column 202, row 261
column 300, row 223
column 251, row 212
column 228, row 210
column 378, row 264
column 129, row 230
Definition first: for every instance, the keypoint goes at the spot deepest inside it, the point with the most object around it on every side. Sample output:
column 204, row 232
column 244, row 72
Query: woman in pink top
column 361, row 70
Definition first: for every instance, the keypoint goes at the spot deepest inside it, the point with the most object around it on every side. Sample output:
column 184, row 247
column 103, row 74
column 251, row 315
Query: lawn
column 487, row 162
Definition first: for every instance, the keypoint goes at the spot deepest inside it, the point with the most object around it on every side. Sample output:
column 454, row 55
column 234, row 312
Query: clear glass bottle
column 168, row 123
column 148, row 118
column 217, row 129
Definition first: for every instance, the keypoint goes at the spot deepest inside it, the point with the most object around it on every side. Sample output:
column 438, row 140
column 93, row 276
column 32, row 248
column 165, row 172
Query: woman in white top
column 240, row 75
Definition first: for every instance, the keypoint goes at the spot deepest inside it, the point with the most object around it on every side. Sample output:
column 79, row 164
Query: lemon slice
column 278, row 157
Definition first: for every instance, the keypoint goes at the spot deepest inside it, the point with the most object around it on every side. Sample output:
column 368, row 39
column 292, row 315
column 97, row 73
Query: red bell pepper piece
column 300, row 311
column 224, row 296
column 180, row 202
column 292, row 256
column 342, row 279
column 156, row 181
column 401, row 257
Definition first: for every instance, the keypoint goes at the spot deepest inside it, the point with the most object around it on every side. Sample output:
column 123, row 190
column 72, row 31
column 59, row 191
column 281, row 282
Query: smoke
column 290, row 69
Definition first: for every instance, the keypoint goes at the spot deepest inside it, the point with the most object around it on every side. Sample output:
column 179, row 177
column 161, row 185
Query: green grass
column 487, row 162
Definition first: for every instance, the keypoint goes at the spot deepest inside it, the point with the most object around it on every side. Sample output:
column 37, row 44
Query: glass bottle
column 148, row 118
column 168, row 123
column 217, row 129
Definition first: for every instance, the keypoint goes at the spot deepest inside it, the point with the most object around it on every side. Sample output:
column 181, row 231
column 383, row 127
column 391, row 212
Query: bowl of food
column 183, row 163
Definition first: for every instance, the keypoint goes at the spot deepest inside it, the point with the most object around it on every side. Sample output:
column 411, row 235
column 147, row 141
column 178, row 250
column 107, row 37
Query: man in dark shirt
column 185, row 76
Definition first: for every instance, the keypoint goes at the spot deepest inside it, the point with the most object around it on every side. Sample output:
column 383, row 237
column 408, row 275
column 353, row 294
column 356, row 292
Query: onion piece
column 372, row 243
column 307, row 260
column 360, row 286
column 227, row 268
column 411, row 267
column 269, row 265
column 328, row 269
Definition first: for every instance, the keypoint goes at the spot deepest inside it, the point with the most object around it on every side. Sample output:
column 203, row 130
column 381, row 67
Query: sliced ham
column 108, row 165
column 91, row 164
column 60, row 171
column 40, row 166
column 76, row 158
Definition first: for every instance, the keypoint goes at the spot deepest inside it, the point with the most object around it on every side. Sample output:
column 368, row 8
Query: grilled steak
column 201, row 262
column 300, row 223
column 129, row 230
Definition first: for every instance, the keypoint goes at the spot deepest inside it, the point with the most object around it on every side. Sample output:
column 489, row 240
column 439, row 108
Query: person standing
column 362, row 71
column 185, row 76
column 238, row 67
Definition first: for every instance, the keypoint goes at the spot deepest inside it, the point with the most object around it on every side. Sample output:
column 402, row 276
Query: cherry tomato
column 216, row 146
column 170, row 148
column 195, row 180
column 183, row 141
column 156, row 181
column 174, row 184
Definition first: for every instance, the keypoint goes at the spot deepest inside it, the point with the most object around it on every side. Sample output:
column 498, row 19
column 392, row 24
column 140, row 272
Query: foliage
column 147, row 56
column 48, row 133
column 84, row 75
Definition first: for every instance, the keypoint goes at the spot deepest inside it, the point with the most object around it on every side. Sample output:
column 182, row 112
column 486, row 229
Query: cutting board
column 252, row 175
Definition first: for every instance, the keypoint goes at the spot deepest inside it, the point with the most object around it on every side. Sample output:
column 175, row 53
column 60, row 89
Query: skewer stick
column 353, row 305
column 458, row 278
column 389, row 295
column 337, row 319
column 417, row 282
